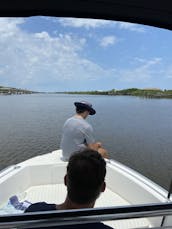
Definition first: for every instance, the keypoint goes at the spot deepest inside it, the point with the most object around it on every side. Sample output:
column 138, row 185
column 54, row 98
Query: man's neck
column 68, row 204
column 82, row 116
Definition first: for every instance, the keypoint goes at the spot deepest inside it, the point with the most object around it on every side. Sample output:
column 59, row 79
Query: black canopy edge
column 149, row 12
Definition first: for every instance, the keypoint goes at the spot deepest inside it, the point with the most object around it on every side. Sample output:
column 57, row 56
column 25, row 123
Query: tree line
column 149, row 93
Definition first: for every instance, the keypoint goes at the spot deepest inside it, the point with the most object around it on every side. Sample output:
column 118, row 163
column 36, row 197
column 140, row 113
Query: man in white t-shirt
column 78, row 133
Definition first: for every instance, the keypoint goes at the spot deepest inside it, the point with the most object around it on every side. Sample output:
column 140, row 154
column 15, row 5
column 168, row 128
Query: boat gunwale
column 111, row 163
column 141, row 178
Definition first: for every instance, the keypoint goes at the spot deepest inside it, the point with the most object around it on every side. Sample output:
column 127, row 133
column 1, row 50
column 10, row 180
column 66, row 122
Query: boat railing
column 74, row 217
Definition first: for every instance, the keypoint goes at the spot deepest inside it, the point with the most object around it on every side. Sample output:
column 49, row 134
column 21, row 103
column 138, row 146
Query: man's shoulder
column 40, row 206
column 43, row 206
column 75, row 120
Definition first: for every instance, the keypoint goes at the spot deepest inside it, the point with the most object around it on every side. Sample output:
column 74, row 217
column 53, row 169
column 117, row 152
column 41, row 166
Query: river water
column 136, row 131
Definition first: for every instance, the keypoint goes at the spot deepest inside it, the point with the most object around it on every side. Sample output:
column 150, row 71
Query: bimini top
column 149, row 12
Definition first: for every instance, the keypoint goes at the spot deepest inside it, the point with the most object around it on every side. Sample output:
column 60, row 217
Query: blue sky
column 67, row 54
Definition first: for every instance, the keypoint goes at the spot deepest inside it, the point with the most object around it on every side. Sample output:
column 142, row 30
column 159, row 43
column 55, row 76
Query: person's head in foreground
column 85, row 176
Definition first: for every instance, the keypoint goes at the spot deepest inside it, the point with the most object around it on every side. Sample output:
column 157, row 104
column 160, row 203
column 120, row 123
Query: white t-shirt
column 76, row 134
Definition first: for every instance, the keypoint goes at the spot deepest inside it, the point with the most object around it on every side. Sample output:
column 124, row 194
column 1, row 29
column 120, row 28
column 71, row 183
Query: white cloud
column 10, row 25
column 130, row 26
column 86, row 23
column 144, row 72
column 168, row 72
column 97, row 23
column 108, row 41
column 32, row 60
column 39, row 61
column 162, row 69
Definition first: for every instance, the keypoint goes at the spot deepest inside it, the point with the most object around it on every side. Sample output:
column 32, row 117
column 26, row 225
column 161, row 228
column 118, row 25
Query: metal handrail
column 168, row 199
column 161, row 227
column 69, row 217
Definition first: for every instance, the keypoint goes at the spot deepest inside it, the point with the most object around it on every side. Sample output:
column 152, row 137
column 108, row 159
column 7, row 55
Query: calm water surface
column 136, row 131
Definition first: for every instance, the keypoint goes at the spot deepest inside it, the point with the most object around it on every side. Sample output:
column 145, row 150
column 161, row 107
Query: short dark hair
column 80, row 110
column 86, row 172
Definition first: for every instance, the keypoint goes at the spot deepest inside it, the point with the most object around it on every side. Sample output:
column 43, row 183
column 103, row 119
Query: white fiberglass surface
column 57, row 193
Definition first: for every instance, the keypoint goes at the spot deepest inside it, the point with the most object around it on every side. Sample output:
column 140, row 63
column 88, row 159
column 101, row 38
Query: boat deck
column 56, row 193
column 41, row 179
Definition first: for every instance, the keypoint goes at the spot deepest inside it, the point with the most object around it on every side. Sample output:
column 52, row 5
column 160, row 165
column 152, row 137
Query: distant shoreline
column 146, row 93
column 14, row 91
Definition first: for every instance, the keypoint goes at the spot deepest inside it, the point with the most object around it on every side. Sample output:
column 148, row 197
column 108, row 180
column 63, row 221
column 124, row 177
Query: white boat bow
column 41, row 179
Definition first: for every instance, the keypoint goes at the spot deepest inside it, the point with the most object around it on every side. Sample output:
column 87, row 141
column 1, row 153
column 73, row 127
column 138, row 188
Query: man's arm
column 97, row 146
column 90, row 143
